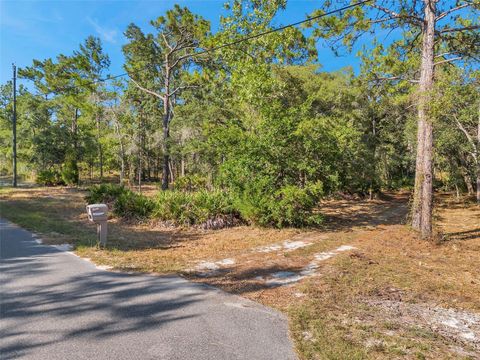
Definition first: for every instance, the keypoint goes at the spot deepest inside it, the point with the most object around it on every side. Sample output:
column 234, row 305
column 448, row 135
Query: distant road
column 54, row 305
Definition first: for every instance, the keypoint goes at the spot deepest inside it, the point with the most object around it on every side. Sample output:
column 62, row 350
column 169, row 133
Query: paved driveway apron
column 54, row 305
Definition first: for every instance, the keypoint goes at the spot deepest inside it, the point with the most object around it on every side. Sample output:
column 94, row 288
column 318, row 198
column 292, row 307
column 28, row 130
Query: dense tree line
column 260, row 119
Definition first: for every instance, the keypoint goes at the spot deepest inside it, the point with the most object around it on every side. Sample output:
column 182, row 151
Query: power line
column 246, row 38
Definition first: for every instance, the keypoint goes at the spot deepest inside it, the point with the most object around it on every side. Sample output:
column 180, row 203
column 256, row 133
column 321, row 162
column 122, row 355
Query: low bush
column 130, row 204
column 190, row 183
column 49, row 177
column 288, row 206
column 295, row 206
column 209, row 209
column 124, row 202
column 104, row 193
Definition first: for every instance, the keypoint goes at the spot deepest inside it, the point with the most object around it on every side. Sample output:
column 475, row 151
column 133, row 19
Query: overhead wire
column 232, row 43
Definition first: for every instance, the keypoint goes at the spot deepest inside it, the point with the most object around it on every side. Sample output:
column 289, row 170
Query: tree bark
column 100, row 149
column 166, row 131
column 75, row 134
column 182, row 166
column 478, row 181
column 468, row 181
column 423, row 193
column 478, row 157
column 122, row 152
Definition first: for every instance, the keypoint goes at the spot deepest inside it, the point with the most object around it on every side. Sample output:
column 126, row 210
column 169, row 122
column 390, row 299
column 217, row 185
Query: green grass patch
column 42, row 216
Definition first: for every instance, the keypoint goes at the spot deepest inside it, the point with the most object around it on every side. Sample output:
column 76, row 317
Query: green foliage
column 206, row 208
column 70, row 172
column 130, row 204
column 104, row 193
column 124, row 202
column 294, row 206
column 49, row 177
column 193, row 182
column 289, row 206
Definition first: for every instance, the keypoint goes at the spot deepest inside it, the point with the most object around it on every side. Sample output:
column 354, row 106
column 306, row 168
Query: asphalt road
column 54, row 305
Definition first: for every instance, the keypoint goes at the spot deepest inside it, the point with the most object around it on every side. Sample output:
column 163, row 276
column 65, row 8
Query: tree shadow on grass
column 344, row 215
column 248, row 280
column 462, row 235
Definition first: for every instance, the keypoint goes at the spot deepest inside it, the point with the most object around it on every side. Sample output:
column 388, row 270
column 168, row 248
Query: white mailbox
column 98, row 213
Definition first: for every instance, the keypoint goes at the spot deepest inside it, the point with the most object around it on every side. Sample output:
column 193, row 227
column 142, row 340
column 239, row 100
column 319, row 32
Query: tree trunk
column 100, row 150
column 172, row 173
column 140, row 174
column 182, row 166
column 122, row 162
column 478, row 181
column 478, row 157
column 423, row 193
column 166, row 132
column 74, row 134
column 466, row 179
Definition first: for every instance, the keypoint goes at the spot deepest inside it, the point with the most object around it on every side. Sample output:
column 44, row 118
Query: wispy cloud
column 109, row 35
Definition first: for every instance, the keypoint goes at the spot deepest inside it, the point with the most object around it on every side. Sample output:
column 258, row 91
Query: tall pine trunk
column 99, row 145
column 478, row 181
column 166, row 157
column 166, row 131
column 423, row 193
column 478, row 157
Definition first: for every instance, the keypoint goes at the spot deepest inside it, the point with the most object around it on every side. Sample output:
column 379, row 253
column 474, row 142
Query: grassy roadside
column 58, row 215
column 392, row 297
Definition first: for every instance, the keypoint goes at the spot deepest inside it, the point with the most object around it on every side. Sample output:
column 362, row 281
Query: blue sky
column 41, row 29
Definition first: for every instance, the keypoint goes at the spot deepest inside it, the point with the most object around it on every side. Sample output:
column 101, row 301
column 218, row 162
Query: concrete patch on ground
column 209, row 268
column 458, row 325
column 289, row 277
column 285, row 246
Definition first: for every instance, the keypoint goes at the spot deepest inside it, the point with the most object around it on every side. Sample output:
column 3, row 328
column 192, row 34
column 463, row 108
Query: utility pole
column 14, row 125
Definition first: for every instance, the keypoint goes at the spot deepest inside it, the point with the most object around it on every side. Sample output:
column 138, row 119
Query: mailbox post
column 98, row 213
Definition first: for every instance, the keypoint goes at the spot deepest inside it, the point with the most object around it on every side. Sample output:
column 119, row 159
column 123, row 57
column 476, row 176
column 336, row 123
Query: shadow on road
column 106, row 303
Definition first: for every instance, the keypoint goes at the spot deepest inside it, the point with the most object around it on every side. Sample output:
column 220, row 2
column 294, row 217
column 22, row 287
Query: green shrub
column 70, row 172
column 104, row 193
column 190, row 183
column 130, row 204
column 49, row 177
column 210, row 209
column 288, row 206
column 294, row 206
column 124, row 202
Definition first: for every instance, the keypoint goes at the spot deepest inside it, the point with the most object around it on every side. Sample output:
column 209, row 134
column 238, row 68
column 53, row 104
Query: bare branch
column 183, row 57
column 466, row 28
column 393, row 14
column 448, row 60
column 180, row 88
column 446, row 13
column 395, row 78
column 147, row 90
column 166, row 42
column 443, row 54
column 469, row 137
